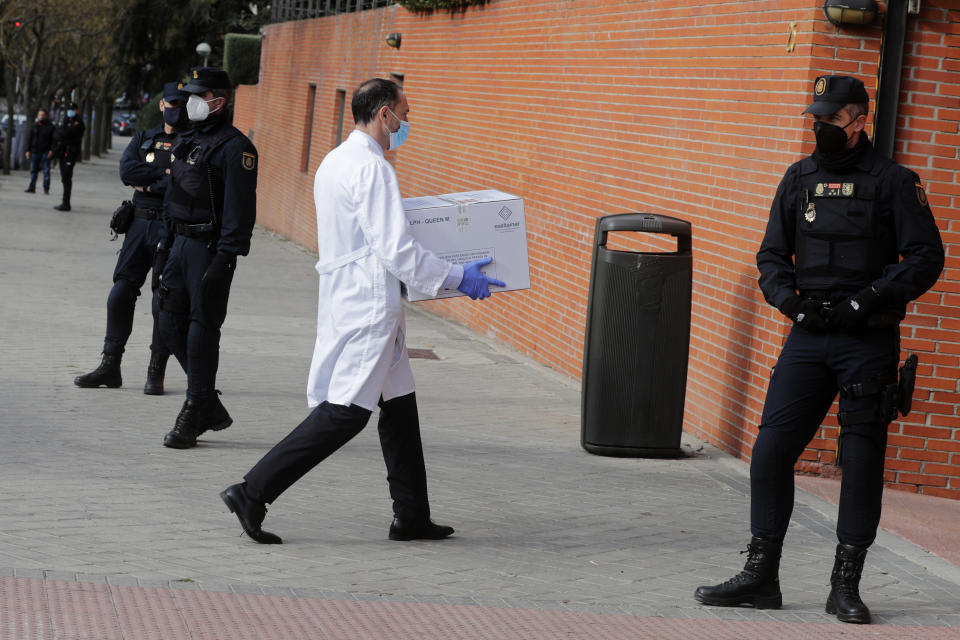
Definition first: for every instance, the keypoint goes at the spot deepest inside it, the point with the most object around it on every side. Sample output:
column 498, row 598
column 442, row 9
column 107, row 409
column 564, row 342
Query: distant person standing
column 67, row 142
column 40, row 150
column 144, row 167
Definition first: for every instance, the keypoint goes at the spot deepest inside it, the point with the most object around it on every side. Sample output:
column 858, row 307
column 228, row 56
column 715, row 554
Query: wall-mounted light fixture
column 850, row 11
column 393, row 40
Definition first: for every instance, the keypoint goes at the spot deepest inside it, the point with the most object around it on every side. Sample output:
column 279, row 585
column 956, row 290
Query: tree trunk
column 97, row 137
column 87, row 107
column 107, row 120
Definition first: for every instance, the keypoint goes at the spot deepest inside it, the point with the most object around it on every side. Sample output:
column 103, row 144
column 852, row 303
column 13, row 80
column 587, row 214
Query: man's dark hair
column 370, row 96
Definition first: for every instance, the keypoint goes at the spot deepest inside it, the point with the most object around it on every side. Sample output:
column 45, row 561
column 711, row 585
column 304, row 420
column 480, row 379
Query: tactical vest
column 845, row 234
column 157, row 151
column 189, row 199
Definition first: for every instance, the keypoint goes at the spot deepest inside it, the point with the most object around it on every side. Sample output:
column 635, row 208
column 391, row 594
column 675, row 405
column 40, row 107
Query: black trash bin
column 637, row 342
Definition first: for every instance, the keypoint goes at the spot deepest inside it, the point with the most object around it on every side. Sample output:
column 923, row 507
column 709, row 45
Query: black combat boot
column 197, row 417
column 155, row 372
column 758, row 584
column 65, row 205
column 106, row 375
column 844, row 600
column 186, row 428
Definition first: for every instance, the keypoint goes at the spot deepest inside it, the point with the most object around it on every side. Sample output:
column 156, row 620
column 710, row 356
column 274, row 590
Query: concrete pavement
column 104, row 533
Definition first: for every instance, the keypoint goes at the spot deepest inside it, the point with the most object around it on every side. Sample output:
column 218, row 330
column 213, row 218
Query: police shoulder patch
column 249, row 161
column 921, row 194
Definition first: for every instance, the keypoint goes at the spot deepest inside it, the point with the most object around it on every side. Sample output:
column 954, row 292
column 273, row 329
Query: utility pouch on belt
column 908, row 378
column 121, row 218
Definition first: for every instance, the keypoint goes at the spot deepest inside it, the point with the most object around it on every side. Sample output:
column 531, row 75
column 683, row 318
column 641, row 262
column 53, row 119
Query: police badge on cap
column 832, row 93
column 203, row 79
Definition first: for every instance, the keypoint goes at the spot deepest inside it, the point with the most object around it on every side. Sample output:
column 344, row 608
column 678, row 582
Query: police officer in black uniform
column 144, row 167
column 67, row 145
column 850, row 241
column 211, row 210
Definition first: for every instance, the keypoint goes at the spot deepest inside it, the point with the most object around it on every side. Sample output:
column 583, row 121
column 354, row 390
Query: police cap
column 832, row 93
column 172, row 91
column 203, row 79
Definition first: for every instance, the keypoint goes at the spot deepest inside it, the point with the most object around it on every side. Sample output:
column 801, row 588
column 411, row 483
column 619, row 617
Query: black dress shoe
column 425, row 530
column 249, row 512
column 62, row 207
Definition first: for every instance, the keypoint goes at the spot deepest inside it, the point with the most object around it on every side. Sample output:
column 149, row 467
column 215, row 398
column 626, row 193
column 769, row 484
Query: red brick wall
column 591, row 107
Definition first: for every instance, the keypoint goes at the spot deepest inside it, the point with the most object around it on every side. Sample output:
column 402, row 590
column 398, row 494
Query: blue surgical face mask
column 71, row 113
column 399, row 136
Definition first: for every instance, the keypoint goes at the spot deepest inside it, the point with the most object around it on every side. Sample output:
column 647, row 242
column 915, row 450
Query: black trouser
column 329, row 427
column 133, row 264
column 190, row 319
column 66, row 177
column 803, row 385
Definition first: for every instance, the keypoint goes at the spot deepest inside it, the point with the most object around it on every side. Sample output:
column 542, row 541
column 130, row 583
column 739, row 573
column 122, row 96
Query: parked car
column 124, row 124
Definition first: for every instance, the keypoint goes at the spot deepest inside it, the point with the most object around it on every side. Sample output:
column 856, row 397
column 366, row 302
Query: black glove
column 853, row 312
column 218, row 275
column 805, row 313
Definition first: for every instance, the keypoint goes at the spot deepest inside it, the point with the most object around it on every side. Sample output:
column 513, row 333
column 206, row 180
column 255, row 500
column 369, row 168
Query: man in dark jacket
column 849, row 243
column 211, row 208
column 67, row 142
column 40, row 150
column 144, row 167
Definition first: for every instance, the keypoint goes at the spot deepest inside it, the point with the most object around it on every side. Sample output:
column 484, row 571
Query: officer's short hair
column 855, row 110
column 371, row 96
column 222, row 93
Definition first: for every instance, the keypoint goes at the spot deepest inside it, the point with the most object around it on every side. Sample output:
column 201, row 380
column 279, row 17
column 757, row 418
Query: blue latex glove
column 475, row 284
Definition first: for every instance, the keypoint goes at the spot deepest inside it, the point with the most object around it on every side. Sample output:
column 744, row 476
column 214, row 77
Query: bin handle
column 646, row 222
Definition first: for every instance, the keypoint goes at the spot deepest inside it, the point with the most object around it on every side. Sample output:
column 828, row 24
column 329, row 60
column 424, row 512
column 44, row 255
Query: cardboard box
column 463, row 227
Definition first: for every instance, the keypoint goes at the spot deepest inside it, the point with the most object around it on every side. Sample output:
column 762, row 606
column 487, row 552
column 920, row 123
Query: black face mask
column 830, row 138
column 175, row 116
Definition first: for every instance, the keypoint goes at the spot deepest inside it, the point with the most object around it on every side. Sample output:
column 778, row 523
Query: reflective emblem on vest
column 834, row 189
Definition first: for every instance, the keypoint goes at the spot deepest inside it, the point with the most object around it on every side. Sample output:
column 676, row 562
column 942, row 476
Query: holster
column 908, row 378
column 175, row 301
column 159, row 262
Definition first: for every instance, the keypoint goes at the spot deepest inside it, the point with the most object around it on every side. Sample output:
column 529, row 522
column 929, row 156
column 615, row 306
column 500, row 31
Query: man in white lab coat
column 360, row 359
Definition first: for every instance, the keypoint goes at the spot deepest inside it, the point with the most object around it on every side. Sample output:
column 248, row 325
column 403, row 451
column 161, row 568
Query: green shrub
column 241, row 57
column 426, row 6
column 149, row 115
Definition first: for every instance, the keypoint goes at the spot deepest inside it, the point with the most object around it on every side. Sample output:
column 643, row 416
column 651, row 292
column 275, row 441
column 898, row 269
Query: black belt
column 194, row 230
column 147, row 214
column 828, row 299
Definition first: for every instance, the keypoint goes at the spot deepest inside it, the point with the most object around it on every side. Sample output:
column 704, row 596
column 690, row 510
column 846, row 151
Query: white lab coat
column 364, row 252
